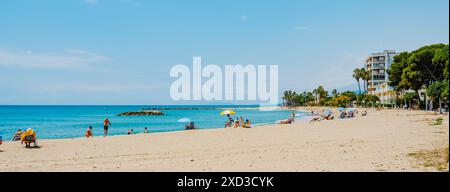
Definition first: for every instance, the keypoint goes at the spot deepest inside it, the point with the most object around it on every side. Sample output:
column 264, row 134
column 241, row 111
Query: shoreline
column 138, row 129
column 160, row 131
column 302, row 109
column 357, row 144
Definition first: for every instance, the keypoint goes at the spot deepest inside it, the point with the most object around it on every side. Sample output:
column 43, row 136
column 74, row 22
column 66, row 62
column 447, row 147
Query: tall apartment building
column 377, row 64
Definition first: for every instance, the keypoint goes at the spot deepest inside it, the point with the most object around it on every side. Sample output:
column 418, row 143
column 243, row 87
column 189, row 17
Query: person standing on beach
column 106, row 125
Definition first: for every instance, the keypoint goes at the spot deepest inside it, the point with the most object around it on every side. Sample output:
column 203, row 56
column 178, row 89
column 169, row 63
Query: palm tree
column 288, row 98
column 336, row 93
column 316, row 92
column 365, row 75
column 284, row 98
column 357, row 74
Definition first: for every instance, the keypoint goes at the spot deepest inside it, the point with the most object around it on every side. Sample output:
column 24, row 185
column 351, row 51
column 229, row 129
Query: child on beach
column 145, row 130
column 130, row 132
column 89, row 132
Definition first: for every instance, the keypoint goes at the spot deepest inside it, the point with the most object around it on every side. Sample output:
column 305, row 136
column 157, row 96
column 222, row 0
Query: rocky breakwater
column 141, row 113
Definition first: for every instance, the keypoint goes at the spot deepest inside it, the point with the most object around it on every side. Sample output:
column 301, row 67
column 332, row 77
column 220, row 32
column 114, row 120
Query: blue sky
column 121, row 51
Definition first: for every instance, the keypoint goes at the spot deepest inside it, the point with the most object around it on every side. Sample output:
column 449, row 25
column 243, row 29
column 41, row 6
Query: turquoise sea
column 52, row 122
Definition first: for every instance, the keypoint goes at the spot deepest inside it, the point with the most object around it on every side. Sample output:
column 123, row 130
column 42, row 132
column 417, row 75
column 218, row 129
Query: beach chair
column 343, row 115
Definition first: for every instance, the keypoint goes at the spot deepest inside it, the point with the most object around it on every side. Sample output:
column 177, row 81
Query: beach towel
column 28, row 135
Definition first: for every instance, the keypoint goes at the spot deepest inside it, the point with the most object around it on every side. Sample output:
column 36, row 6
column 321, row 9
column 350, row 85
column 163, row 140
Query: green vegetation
column 432, row 159
column 425, row 68
column 320, row 97
column 437, row 121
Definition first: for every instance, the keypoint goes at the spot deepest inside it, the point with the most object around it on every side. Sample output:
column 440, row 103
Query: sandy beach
column 387, row 140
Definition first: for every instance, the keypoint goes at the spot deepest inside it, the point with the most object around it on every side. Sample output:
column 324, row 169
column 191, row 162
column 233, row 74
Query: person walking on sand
column 106, row 125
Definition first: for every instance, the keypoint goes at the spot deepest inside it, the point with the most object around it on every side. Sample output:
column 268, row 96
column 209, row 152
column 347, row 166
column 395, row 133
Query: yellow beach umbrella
column 228, row 112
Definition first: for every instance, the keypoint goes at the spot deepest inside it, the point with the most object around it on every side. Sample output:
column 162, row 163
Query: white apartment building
column 377, row 64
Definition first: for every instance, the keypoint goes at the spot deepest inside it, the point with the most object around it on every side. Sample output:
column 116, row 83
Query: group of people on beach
column 106, row 124
column 290, row 120
column 343, row 114
column 26, row 137
column 238, row 123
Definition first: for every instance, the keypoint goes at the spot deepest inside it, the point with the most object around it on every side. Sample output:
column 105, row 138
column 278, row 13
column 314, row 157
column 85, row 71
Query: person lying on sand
column 17, row 135
column 89, row 132
column 329, row 117
column 28, row 137
column 288, row 121
column 316, row 118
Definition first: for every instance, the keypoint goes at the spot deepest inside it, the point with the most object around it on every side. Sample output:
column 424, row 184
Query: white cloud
column 302, row 28
column 72, row 58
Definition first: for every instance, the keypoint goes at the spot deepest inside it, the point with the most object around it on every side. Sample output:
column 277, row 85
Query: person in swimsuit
column 89, row 132
column 247, row 124
column 106, row 125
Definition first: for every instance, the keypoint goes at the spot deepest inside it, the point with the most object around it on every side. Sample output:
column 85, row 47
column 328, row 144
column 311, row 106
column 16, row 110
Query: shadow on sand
column 34, row 147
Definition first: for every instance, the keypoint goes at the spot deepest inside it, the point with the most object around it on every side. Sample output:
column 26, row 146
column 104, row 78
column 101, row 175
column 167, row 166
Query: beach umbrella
column 184, row 120
column 228, row 112
column 328, row 112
